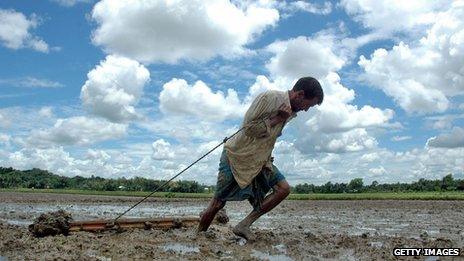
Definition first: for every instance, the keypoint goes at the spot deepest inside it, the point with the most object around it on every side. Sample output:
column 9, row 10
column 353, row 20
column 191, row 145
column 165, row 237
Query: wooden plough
column 143, row 223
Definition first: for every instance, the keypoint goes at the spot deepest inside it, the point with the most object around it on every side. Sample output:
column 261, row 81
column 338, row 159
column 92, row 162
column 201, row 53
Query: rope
column 165, row 183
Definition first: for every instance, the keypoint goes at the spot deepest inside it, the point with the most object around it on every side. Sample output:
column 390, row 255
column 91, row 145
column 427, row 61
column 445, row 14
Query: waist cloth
column 227, row 188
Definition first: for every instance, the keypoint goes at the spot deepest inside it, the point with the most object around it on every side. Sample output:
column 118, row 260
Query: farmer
column 245, row 169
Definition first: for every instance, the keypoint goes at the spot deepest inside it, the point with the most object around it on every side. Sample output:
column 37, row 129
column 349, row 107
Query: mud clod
column 51, row 224
column 222, row 217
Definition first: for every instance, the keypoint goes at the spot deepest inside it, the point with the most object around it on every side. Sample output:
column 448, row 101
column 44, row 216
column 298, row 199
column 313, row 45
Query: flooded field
column 295, row 230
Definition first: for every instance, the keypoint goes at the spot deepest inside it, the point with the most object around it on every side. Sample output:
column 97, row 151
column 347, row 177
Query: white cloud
column 178, row 97
column 379, row 164
column 46, row 112
column 442, row 121
column 348, row 141
column 19, row 121
column 370, row 157
column 453, row 139
column 76, row 131
column 15, row 31
column 114, row 87
column 185, row 128
column 421, row 77
column 262, row 84
column 51, row 159
column 303, row 56
column 393, row 16
column 400, row 138
column 169, row 31
column 378, row 171
column 334, row 116
column 97, row 155
column 335, row 126
column 162, row 150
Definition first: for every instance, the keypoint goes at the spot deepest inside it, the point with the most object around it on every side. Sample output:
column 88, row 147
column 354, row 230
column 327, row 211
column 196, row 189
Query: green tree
column 448, row 183
column 355, row 185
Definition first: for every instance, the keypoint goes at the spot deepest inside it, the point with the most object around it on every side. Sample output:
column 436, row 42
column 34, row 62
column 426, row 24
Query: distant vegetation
column 41, row 179
column 447, row 183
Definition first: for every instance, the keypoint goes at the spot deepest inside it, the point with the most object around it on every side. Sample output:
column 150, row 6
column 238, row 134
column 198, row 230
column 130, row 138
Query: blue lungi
column 227, row 188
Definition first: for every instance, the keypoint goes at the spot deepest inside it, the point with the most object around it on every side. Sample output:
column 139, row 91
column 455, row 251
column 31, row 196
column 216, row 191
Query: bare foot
column 243, row 231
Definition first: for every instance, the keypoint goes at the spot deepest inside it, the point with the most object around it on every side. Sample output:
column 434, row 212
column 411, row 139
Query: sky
column 119, row 88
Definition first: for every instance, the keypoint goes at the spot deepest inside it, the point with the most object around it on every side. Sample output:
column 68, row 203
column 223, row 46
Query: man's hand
column 285, row 111
column 283, row 114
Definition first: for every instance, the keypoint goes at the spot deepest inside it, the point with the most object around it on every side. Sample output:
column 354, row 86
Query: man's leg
column 208, row 215
column 281, row 191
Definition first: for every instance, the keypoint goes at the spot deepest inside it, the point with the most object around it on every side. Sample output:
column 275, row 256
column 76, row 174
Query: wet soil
column 295, row 230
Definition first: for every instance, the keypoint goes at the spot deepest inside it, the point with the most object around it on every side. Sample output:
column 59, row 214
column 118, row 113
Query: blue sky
column 124, row 89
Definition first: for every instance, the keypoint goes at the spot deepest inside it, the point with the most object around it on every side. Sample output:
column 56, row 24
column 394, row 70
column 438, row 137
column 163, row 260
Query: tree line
column 42, row 179
column 447, row 183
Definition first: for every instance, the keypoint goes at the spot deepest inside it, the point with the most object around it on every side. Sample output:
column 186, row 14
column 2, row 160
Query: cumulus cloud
column 370, row 157
column 422, row 76
column 393, row 16
column 334, row 116
column 169, row 31
column 348, row 141
column 301, row 56
column 378, row 171
column 15, row 32
column 335, row 126
column 178, row 97
column 114, row 87
column 76, row 131
column 97, row 155
column 184, row 128
column 453, row 139
column 46, row 112
column 52, row 159
column 162, row 150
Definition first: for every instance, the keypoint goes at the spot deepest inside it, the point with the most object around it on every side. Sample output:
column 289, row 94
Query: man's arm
column 260, row 128
column 283, row 114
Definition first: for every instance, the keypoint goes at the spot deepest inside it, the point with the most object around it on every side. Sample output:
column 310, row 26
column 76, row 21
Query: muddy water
column 295, row 230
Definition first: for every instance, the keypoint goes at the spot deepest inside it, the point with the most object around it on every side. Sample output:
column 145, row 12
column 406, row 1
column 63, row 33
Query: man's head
column 307, row 92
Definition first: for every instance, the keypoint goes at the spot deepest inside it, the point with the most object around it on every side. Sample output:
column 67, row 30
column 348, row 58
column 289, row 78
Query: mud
column 51, row 224
column 221, row 217
column 295, row 230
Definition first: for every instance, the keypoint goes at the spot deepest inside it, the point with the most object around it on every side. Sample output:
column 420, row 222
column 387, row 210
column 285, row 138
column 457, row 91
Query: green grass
column 451, row 195
column 111, row 193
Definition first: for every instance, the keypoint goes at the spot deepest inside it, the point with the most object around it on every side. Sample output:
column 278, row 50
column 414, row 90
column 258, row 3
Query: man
column 245, row 169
